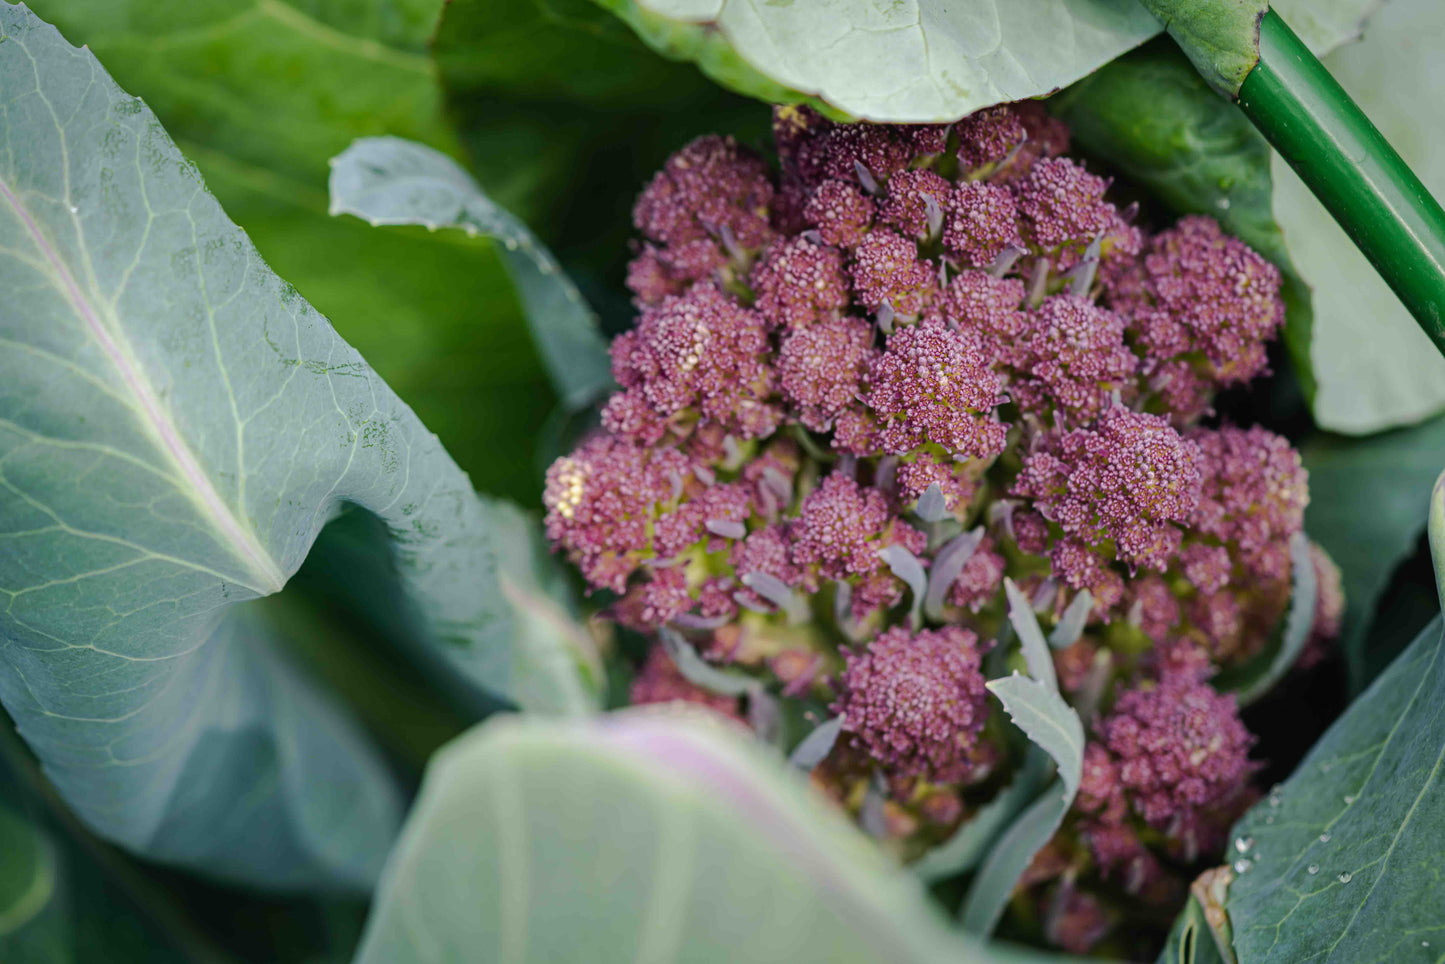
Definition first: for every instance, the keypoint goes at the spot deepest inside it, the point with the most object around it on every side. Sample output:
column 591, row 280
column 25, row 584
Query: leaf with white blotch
column 176, row 426
column 914, row 60
column 931, row 505
column 389, row 181
column 646, row 835
column 1254, row 679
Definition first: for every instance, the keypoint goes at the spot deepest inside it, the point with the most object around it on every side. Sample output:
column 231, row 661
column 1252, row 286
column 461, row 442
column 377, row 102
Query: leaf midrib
column 242, row 543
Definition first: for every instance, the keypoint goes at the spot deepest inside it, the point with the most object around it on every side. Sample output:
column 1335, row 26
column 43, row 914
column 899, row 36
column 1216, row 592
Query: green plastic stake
column 1352, row 169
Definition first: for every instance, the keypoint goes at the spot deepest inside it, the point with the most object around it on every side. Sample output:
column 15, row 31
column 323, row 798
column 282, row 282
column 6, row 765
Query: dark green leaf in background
column 176, row 425
column 566, row 115
column 387, row 181
column 1368, row 499
column 261, row 94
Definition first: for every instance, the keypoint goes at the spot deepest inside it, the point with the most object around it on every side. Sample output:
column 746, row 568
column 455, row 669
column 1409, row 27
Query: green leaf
column 923, row 60
column 1367, row 509
column 1258, row 676
column 176, row 425
column 1031, row 637
column 647, row 835
column 66, row 897
column 388, row 181
column 1342, row 862
column 968, row 845
column 261, row 94
column 1202, row 934
column 1344, row 858
column 27, row 876
column 919, row 60
column 1375, row 367
column 1221, row 39
column 1036, row 707
column 551, row 81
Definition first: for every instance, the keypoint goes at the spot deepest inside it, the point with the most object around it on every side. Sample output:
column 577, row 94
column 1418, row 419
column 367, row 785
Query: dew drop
column 1242, row 844
column 74, row 209
column 1351, row 799
column 1424, row 943
column 1313, row 869
column 1269, row 818
column 1324, row 838
column 1242, row 866
column 1344, row 878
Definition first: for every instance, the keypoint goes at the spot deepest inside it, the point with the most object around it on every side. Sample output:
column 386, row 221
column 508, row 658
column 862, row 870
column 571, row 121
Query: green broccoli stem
column 1352, row 169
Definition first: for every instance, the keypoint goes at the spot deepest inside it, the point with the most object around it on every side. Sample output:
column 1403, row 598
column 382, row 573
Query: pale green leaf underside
column 387, row 180
column 176, row 425
column 647, row 836
column 1375, row 367
column 1390, row 474
column 914, row 60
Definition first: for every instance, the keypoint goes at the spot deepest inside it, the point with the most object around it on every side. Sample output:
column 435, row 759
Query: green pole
column 1352, row 169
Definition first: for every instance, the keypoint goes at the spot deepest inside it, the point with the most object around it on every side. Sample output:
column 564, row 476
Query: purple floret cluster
column 876, row 375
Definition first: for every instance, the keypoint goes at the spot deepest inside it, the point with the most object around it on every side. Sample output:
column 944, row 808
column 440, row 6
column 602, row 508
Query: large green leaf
column 1342, row 863
column 1374, row 366
column 389, row 181
column 647, row 835
column 552, row 81
column 915, row 60
column 176, row 425
column 261, row 94
column 1368, row 499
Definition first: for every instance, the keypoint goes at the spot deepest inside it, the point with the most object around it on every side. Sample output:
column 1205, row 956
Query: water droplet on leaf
column 1313, row 869
column 1345, row 877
